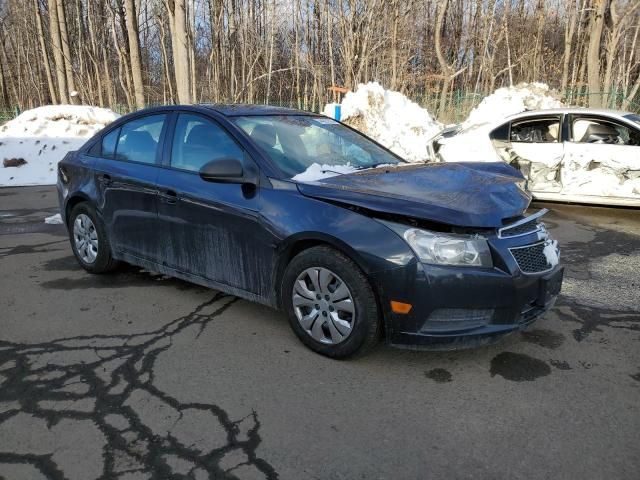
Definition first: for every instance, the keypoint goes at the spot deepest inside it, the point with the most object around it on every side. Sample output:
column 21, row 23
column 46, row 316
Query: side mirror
column 227, row 170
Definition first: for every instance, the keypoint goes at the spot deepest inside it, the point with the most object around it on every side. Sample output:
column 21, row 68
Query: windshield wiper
column 325, row 170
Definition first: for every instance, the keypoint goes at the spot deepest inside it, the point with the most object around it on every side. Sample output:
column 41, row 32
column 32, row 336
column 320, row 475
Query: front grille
column 450, row 319
column 531, row 258
column 528, row 227
column 523, row 226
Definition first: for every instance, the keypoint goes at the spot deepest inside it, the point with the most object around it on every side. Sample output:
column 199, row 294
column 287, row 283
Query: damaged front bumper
column 462, row 307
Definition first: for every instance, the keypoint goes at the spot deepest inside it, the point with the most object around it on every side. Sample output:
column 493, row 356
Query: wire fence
column 458, row 105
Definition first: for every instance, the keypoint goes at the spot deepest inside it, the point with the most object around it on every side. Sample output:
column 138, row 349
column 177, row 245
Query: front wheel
column 330, row 303
column 89, row 240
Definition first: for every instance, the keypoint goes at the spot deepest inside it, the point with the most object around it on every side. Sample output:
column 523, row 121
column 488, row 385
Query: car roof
column 575, row 110
column 239, row 109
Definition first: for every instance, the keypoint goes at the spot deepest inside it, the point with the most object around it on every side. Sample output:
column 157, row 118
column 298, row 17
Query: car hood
column 459, row 194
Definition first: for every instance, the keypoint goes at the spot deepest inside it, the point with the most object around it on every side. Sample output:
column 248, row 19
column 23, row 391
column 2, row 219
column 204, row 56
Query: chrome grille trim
column 503, row 232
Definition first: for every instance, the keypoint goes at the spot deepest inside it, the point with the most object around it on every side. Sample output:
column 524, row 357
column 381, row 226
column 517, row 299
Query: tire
column 299, row 300
column 97, row 257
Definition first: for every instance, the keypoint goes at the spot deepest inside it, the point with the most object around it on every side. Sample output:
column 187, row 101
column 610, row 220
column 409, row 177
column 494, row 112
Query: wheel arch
column 303, row 241
column 72, row 201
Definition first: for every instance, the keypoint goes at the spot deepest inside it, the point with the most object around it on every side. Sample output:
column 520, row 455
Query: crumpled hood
column 460, row 194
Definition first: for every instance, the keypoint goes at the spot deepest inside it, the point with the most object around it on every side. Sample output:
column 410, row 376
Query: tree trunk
column 64, row 39
column 593, row 53
column 45, row 56
column 58, row 57
column 444, row 65
column 134, row 51
column 394, row 45
column 180, row 48
column 568, row 40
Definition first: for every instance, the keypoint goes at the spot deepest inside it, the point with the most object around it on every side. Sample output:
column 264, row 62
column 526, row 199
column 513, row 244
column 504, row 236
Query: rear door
column 602, row 156
column 126, row 169
column 211, row 230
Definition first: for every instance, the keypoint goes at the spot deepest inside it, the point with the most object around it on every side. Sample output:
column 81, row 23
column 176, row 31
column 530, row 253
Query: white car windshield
column 301, row 143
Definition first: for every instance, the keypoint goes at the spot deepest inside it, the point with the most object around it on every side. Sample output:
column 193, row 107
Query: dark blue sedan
column 302, row 213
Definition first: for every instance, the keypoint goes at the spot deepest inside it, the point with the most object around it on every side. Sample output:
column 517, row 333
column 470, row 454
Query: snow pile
column 54, row 219
column 42, row 137
column 316, row 172
column 550, row 252
column 472, row 142
column 390, row 118
column 508, row 101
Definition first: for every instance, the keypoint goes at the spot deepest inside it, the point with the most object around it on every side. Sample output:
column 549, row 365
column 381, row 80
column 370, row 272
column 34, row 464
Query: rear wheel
column 89, row 240
column 330, row 303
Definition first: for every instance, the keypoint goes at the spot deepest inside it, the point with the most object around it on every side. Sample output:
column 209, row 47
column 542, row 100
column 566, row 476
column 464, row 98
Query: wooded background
column 125, row 54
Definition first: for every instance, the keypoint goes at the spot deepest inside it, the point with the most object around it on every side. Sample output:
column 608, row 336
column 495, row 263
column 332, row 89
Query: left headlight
column 445, row 248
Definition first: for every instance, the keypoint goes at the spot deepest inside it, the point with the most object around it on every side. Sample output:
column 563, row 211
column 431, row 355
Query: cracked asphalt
column 134, row 375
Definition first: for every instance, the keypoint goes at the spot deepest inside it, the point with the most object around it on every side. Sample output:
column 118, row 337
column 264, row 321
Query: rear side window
column 198, row 140
column 139, row 139
column 109, row 142
column 536, row 130
column 597, row 130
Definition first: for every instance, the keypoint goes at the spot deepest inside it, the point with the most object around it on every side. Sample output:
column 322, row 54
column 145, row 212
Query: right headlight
column 445, row 248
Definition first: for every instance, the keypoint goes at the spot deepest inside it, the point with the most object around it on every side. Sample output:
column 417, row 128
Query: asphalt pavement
column 135, row 375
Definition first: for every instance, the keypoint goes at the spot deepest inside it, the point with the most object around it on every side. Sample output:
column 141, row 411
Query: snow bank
column 389, row 118
column 508, row 101
column 42, row 137
column 316, row 172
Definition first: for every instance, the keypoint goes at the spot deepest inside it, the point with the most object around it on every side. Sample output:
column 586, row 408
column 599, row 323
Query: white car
column 569, row 154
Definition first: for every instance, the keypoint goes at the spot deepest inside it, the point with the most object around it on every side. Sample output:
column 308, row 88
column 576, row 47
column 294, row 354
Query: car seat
column 600, row 133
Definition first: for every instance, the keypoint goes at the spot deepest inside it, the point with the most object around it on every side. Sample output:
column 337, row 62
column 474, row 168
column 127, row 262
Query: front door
column 535, row 146
column 126, row 167
column 211, row 230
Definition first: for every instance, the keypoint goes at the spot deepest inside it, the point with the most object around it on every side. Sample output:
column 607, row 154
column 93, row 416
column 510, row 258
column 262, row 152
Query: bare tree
column 66, row 51
column 54, row 26
column 125, row 53
column 45, row 54
column 180, row 47
column 593, row 53
column 134, row 51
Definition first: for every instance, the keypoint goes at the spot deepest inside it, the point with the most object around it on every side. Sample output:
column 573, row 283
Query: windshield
column 633, row 117
column 298, row 144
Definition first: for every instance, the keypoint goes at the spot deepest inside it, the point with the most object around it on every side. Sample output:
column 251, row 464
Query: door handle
column 169, row 196
column 104, row 179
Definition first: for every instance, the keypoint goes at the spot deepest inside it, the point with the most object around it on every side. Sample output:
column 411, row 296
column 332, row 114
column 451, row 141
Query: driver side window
column 198, row 140
column 536, row 130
